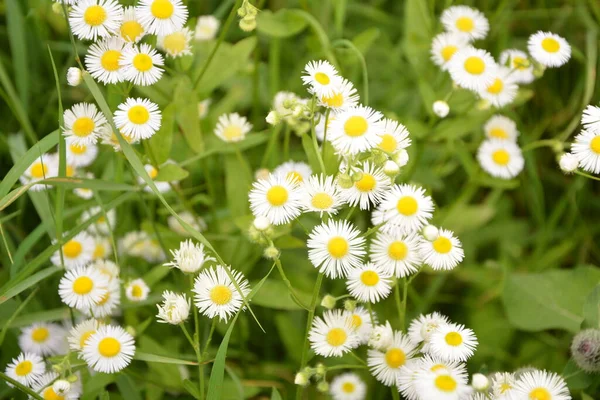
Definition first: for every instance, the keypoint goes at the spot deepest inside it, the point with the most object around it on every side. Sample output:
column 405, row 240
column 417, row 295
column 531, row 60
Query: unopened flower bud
column 441, row 108
column 480, row 382
column 301, row 379
column 273, row 118
column 345, row 181
column 61, row 387
column 298, row 111
column 401, row 158
column 320, row 370
column 328, row 302
column 380, row 157
column 323, row 387
column 57, row 8
column 391, row 169
column 350, row 305
column 262, row 223
column 568, row 163
column 248, row 23
column 430, row 233
column 74, row 76
column 357, row 176
column 271, row 252
column 586, row 350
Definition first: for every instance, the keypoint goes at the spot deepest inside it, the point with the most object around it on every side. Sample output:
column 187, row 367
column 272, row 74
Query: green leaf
column 27, row 283
column 237, row 183
column 591, row 310
column 192, row 388
column 187, row 116
column 127, row 388
column 364, row 40
column 18, row 45
column 160, row 143
column 171, row 172
column 215, row 384
column 275, row 395
column 275, row 295
column 153, row 358
column 309, row 149
column 56, row 314
column 280, row 24
column 548, row 300
column 576, row 378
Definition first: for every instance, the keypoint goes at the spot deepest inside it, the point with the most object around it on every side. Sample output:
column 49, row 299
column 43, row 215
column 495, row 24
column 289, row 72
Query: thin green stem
column 325, row 133
column 371, row 313
column 286, row 142
column 404, row 299
column 287, row 282
column 314, row 136
column 346, row 366
column 365, row 74
column 395, row 393
column 356, row 357
column 210, row 335
column 587, row 175
column 19, row 386
column 197, row 344
column 399, row 303
column 542, row 143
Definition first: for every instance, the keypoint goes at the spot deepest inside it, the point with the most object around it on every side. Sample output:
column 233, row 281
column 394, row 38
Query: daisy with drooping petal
column 91, row 19
column 277, row 198
column 103, row 60
column 43, row 167
column 77, row 252
column 540, row 385
column 206, row 28
column 549, row 49
column 405, row 208
column 82, row 288
column 44, row 386
column 137, row 290
column 361, row 323
column 503, row 89
column 423, row 326
column 502, row 385
column 443, row 253
column 473, row 69
column 332, row 335
column 397, row 253
column 43, row 339
column 444, row 46
column 501, row 128
column 335, row 247
column 176, row 44
column 80, row 333
column 142, row 64
column 161, row 17
column 394, row 136
column 321, row 194
column 321, row 77
column 347, row 386
column 103, row 224
column 453, row 342
column 590, row 119
column 217, row 295
column 109, row 350
column 369, row 283
column 518, row 62
column 500, row 158
column 108, row 304
column 466, row 21
column 139, row 118
column 344, row 96
column 385, row 365
column 189, row 258
column 80, row 155
column 369, row 189
column 355, row 130
column 442, row 384
column 131, row 30
column 82, row 123
column 298, row 171
column 232, row 127
column 586, row 148
column 26, row 369
column 174, row 310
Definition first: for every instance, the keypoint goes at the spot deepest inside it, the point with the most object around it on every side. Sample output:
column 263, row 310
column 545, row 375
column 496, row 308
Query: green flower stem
column 346, row 366
column 325, row 132
column 271, row 145
column 363, row 64
column 197, row 343
column 288, row 284
column 209, row 338
column 19, row 386
column 314, row 136
column 542, row 143
column 356, row 357
column 286, row 142
column 587, row 175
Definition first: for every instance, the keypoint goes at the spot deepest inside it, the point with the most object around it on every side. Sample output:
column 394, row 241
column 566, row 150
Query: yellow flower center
column 366, row 183
column 465, row 24
column 337, row 100
column 540, row 394
column 136, row 291
column 24, row 368
column 142, row 62
column 550, row 45
column 369, row 278
column 78, row 149
column 39, row 170
column 595, row 144
column 453, row 339
column 501, row 157
column 474, row 65
column 104, row 299
column 448, row 52
column 397, row 250
column 505, row 387
column 99, row 251
column 110, row 60
column 407, row 206
column 520, row 63
column 94, row 15
column 348, row 387
column 72, row 249
column 277, row 195
column 85, row 337
column 295, row 176
column 220, row 295
column 83, row 126
column 356, row 126
column 131, row 30
column 337, row 247
column 175, row 43
column 153, row 172
column 356, row 321
column 445, row 383
column 83, row 285
column 498, row 133
column 70, row 171
column 109, row 347
column 395, row 358
column 138, row 114
column 232, row 132
column 388, row 143
column 496, row 87
column 50, row 394
column 442, row 245
column 322, row 201
column 322, row 78
column 162, row 9
column 40, row 334
column 336, row 337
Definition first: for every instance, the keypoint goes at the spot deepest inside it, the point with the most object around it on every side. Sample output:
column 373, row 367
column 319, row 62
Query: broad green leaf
column 57, row 314
column 237, row 183
column 153, row 358
column 187, row 116
column 160, row 143
column 591, row 310
column 275, row 294
column 364, row 40
column 275, row 395
column 15, row 25
column 465, row 218
column 280, row 24
column 29, row 282
column 576, row 378
column 311, row 154
column 127, row 388
column 171, row 172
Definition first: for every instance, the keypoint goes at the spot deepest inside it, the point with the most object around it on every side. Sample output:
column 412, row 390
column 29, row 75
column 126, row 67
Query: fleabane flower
column 82, row 123
column 26, row 369
column 321, row 194
column 137, row 290
column 152, row 172
column 190, row 257
column 43, row 339
column 501, row 128
column 77, row 251
column 465, row 21
column 396, row 252
column 175, row 308
column 142, row 64
column 369, row 190
column 503, row 89
column 80, row 333
column 347, row 386
column 110, row 349
column 473, row 69
column 41, row 168
column 138, row 118
column 590, row 118
column 278, row 198
column 82, row 288
column 361, row 323
column 321, row 78
column 444, row 46
column 404, row 208
column 549, row 49
column 332, row 335
column 355, row 130
column 103, row 60
column 342, row 97
column 540, row 385
column 131, row 30
column 48, row 386
column 443, row 253
column 385, row 365
column 103, row 224
column 176, row 44
column 586, row 148
column 232, row 127
column 206, row 28
column 369, row 283
column 80, row 155
column 107, row 268
column 108, row 303
column 109, row 137
column 217, row 295
column 500, row 158
column 421, row 328
column 393, row 136
column 442, row 384
column 518, row 62
column 161, row 17
column 453, row 342
column 502, row 385
column 93, row 19
column 297, row 170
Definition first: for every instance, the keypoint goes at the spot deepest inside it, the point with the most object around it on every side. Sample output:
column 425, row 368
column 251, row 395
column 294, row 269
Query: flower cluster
column 585, row 149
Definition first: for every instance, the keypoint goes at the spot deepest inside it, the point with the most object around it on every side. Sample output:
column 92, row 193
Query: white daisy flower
column 232, row 128
column 85, row 193
column 335, row 247
column 444, row 46
column 92, row 19
column 568, row 163
column 216, row 294
column 586, row 148
column 108, row 304
column 102, row 249
column 320, row 126
column 203, row 108
column 139, row 118
column 109, row 350
column 137, row 290
column 423, row 326
column 347, row 386
column 131, row 30
column 443, row 253
column 108, row 137
column 142, row 64
column 298, row 171
column 189, row 258
column 26, row 369
column 74, row 76
column 342, row 97
column 277, row 198
column 48, row 386
column 397, row 253
column 503, row 89
column 473, row 69
column 176, row 44
column 152, row 172
column 501, row 128
column 140, row 244
column 433, row 364
column 590, row 119
column 502, row 385
column 106, row 268
column 174, row 310
column 394, row 136
column 442, row 384
column 518, row 62
column 206, row 28
column 361, row 322
column 407, row 377
column 82, row 288
column 321, row 194
column 102, row 224
column 82, row 123
column 549, row 49
column 321, row 77
column 540, row 385
column 385, row 365
column 161, row 17
column 355, row 130
column 500, row 158
column 103, row 60
column 369, row 190
column 80, row 155
column 405, row 208
column 453, row 342
column 43, row 167
column 76, row 252
column 466, row 21
column 44, row 339
column 332, row 335
column 381, row 336
column 369, row 283
column 198, row 223
column 80, row 333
